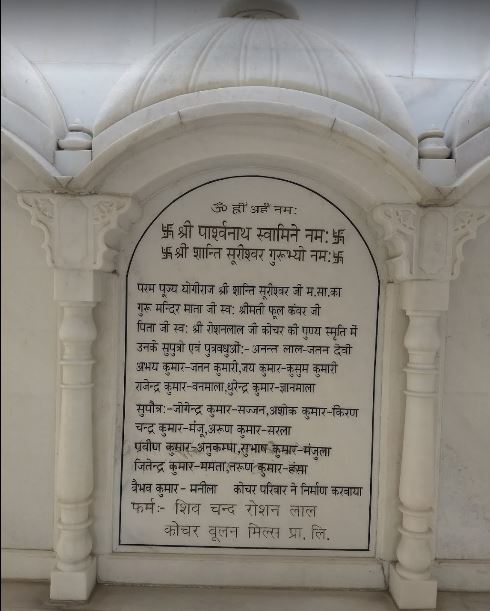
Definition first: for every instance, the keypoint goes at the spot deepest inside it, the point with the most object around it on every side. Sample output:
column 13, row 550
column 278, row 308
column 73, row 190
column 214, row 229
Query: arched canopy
column 255, row 75
column 262, row 134
column 226, row 57
column 30, row 110
column 468, row 129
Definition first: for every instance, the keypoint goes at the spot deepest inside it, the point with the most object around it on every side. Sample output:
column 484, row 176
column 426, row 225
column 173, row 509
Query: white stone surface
column 105, row 393
column 34, row 597
column 468, row 129
column 120, row 32
column 28, row 394
column 472, row 115
column 468, row 341
column 451, row 39
column 82, row 87
column 112, row 31
column 261, row 99
column 343, row 159
column 238, row 53
column 353, row 23
column 464, row 494
column 335, row 521
column 29, row 109
column 444, row 95
column 464, row 517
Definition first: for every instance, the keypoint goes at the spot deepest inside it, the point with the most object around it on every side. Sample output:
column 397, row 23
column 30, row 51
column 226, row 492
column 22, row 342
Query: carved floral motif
column 465, row 225
column 42, row 211
column 426, row 243
column 106, row 219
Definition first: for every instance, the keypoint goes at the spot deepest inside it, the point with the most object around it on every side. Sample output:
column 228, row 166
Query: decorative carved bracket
column 465, row 224
column 81, row 232
column 427, row 243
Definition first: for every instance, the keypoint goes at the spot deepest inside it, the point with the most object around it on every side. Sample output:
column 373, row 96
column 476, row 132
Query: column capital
column 81, row 232
column 426, row 242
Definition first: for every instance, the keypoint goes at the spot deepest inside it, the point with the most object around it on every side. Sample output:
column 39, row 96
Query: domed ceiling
column 29, row 108
column 468, row 129
column 262, row 50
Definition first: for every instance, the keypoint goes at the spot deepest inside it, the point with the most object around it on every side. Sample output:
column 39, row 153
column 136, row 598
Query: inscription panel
column 251, row 327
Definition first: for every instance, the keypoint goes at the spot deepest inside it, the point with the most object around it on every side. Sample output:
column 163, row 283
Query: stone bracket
column 81, row 232
column 426, row 243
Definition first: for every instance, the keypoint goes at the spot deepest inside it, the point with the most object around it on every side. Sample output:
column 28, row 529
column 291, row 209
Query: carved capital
column 42, row 210
column 465, row 224
column 399, row 225
column 80, row 232
column 426, row 243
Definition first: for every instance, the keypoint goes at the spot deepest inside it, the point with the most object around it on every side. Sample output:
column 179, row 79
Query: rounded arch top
column 255, row 134
column 250, row 274
column 278, row 179
column 468, row 128
column 30, row 109
column 279, row 53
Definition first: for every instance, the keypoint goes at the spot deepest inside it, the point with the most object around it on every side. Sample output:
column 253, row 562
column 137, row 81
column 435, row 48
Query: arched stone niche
column 239, row 561
column 92, row 223
column 195, row 145
column 243, row 336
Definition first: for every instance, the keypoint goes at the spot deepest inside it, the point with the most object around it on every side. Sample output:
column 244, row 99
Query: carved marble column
column 425, row 252
column 75, row 572
column 81, row 236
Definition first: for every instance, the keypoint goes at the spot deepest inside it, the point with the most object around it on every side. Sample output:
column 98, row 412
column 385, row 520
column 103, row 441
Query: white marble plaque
column 251, row 329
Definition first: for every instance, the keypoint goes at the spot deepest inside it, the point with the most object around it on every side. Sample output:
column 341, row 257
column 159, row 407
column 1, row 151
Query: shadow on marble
column 24, row 596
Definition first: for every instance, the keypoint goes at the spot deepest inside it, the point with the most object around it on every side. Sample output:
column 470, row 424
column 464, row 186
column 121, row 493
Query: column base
column 412, row 594
column 73, row 585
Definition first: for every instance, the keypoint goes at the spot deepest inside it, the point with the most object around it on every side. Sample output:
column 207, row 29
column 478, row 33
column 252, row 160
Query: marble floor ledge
column 34, row 596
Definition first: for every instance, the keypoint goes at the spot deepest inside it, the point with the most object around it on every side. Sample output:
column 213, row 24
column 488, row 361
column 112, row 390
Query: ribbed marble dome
column 271, row 52
column 472, row 115
column 29, row 108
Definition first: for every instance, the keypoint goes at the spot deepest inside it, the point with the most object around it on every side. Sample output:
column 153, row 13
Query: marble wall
column 463, row 529
column 29, row 370
column 431, row 49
